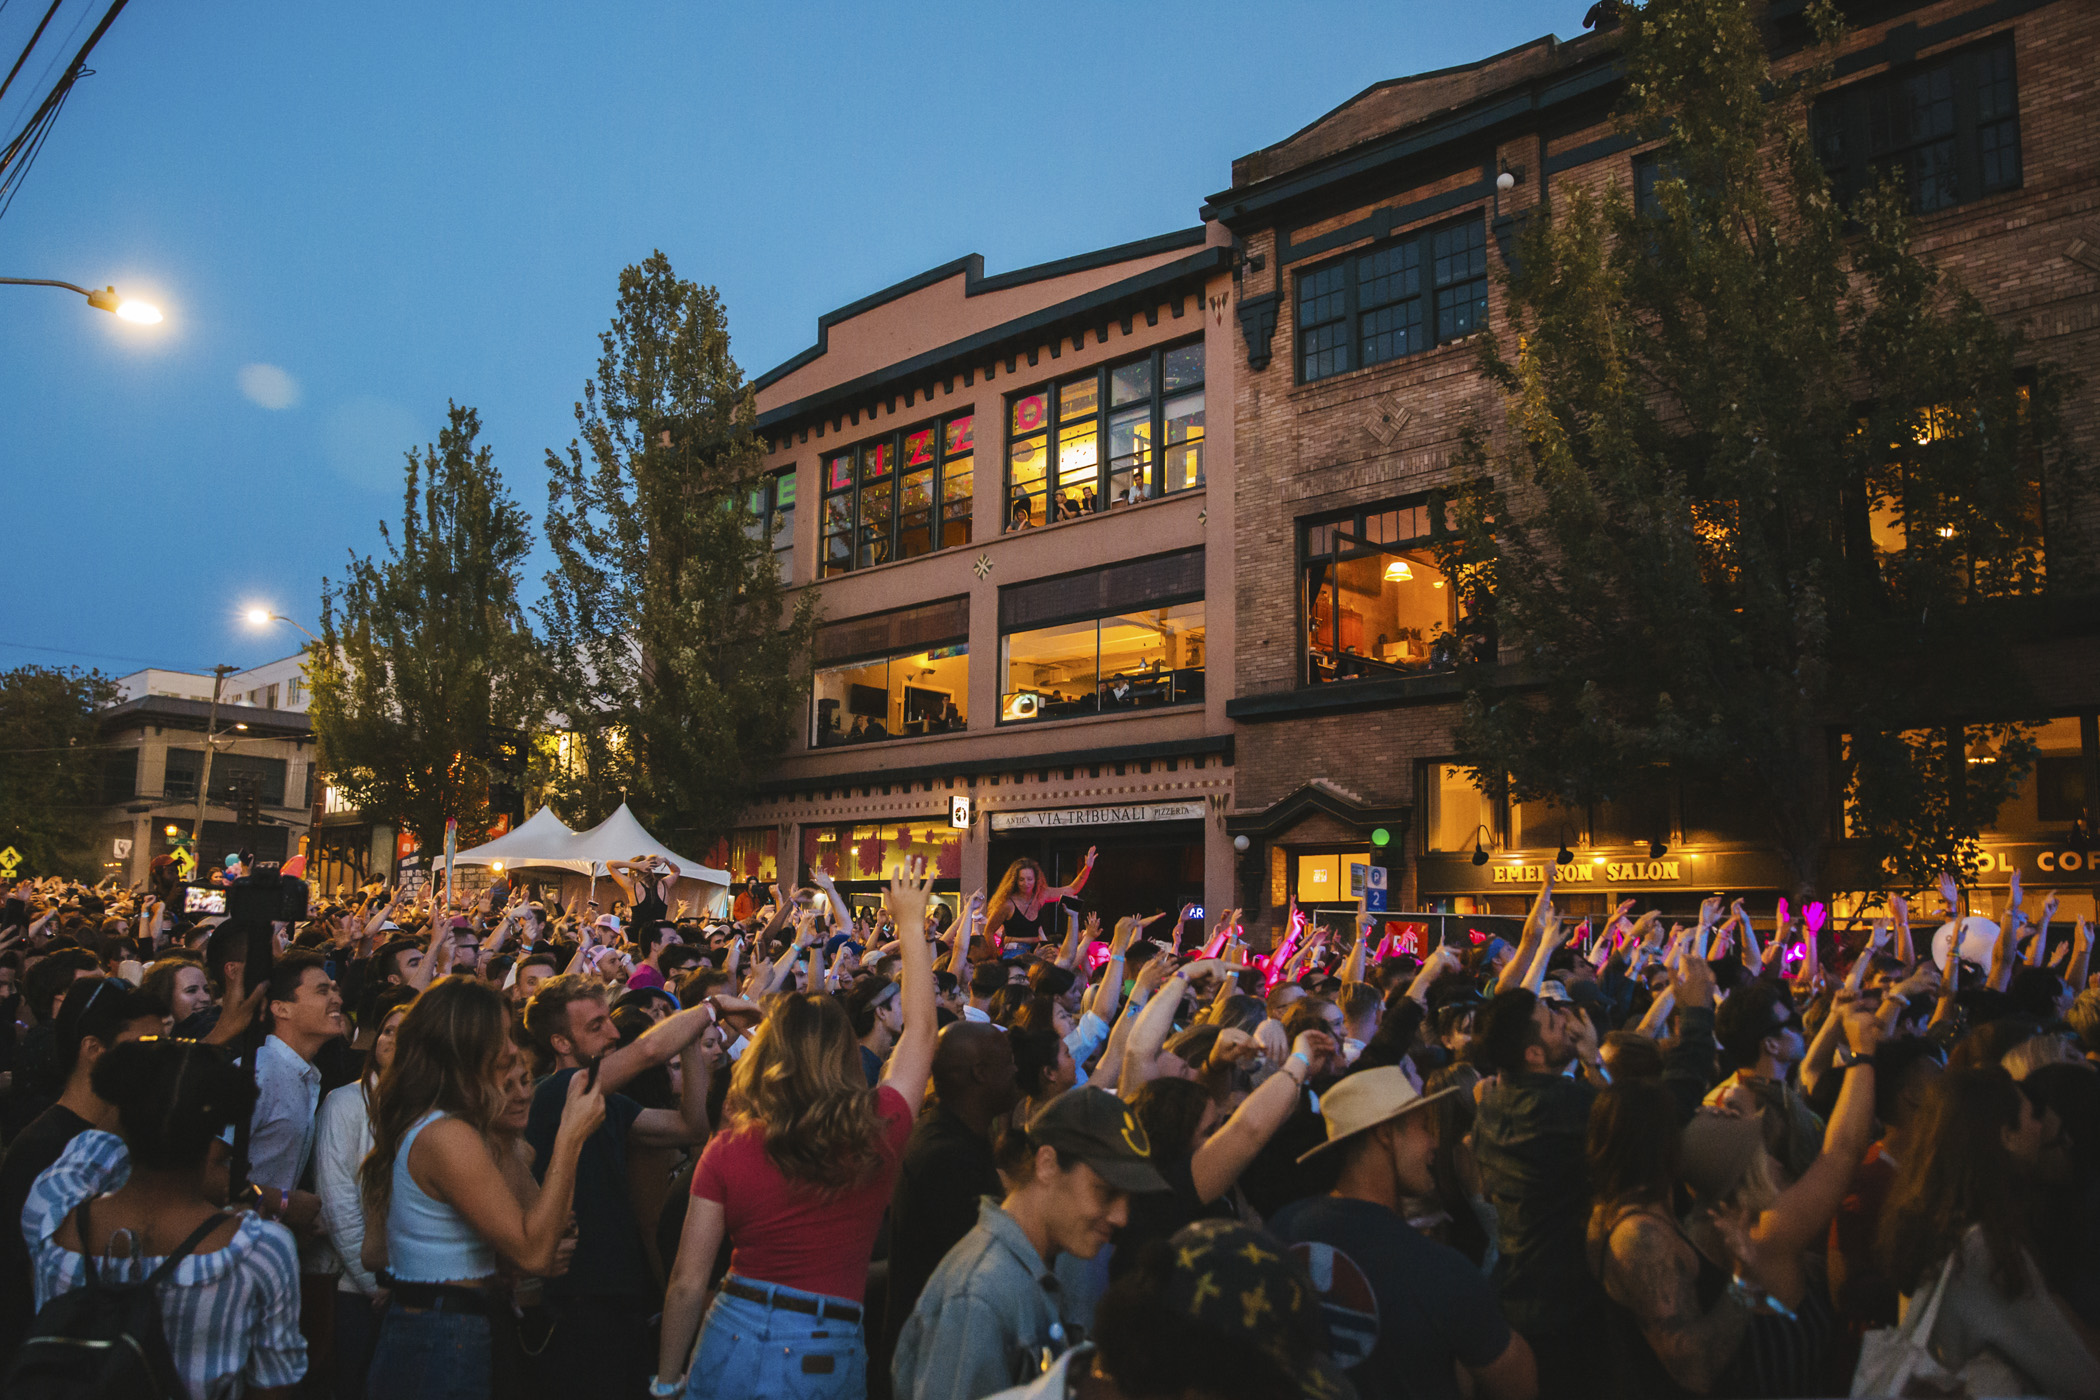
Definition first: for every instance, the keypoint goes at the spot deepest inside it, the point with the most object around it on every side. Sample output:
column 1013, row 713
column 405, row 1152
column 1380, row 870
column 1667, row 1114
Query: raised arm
column 1078, row 881
column 459, row 1167
column 1149, row 1035
column 1217, row 1164
column 1518, row 967
column 965, row 928
column 912, row 1059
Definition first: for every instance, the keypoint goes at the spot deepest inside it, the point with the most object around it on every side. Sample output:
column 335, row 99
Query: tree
column 51, row 767
column 678, row 666
column 425, row 677
column 1765, row 513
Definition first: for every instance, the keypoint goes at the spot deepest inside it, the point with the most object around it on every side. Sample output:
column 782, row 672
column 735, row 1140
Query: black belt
column 437, row 1297
column 815, row 1307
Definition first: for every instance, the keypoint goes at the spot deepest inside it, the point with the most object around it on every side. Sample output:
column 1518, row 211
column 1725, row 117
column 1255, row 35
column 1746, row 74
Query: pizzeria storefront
column 1151, row 854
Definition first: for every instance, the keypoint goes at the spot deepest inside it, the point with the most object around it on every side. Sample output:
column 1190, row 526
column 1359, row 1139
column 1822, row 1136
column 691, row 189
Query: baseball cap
column 1100, row 1130
column 1555, row 990
column 611, row 921
column 1715, row 1150
column 1226, row 1277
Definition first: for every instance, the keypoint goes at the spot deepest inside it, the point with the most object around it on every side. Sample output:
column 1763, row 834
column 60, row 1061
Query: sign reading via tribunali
column 1098, row 816
column 1589, row 872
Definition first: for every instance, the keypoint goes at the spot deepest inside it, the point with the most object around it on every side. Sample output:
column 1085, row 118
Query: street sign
column 122, row 847
column 1375, row 877
column 9, row 859
column 1357, row 883
column 1374, row 899
column 959, row 813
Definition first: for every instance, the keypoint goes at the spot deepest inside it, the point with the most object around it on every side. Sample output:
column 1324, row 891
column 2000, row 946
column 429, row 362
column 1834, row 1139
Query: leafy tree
column 425, row 678
column 1768, row 478
column 51, row 767
column 678, row 666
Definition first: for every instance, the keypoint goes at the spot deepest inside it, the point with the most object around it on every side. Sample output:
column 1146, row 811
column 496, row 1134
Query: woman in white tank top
column 441, row 1216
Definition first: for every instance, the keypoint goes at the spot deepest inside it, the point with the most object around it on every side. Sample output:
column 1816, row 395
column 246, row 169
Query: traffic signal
column 248, row 799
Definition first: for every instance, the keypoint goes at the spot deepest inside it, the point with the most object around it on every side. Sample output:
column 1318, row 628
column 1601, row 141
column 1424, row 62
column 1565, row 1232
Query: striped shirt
column 231, row 1316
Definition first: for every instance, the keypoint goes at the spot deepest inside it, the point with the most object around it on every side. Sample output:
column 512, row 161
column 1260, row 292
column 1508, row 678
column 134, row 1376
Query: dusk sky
column 350, row 213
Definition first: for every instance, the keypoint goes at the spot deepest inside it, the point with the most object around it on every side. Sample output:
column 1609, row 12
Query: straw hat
column 1367, row 1098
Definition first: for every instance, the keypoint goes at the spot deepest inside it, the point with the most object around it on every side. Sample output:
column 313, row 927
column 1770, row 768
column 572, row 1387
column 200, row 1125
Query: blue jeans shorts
column 758, row 1351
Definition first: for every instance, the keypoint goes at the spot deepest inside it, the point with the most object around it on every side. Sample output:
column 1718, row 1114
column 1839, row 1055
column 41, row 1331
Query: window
column 120, row 775
column 1947, row 129
column 2053, row 795
column 1376, row 604
column 1128, row 637
column 773, row 518
column 186, row 766
column 894, row 675
column 1370, row 307
column 1890, row 509
column 1456, row 810
column 1150, row 409
column 294, row 693
column 868, row 854
column 899, row 496
column 749, row 853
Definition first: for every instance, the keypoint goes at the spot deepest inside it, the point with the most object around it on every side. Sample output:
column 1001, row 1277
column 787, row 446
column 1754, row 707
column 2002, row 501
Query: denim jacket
column 991, row 1317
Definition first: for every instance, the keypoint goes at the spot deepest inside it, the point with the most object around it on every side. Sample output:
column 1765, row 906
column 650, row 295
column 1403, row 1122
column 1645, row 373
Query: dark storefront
column 1150, row 861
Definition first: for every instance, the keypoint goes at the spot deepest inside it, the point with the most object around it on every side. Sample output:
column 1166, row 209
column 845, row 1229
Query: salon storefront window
column 899, row 496
column 1112, row 436
column 1375, row 602
column 1125, row 638
column 897, row 675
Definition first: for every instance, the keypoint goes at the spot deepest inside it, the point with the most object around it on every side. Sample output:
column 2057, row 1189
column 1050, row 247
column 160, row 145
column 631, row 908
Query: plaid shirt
column 231, row 1316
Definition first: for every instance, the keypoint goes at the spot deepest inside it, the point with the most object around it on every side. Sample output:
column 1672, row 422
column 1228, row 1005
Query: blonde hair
column 800, row 1083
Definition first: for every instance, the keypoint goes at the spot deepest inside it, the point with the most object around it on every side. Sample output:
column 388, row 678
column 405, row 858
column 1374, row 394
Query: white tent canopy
column 529, row 844
column 547, row 843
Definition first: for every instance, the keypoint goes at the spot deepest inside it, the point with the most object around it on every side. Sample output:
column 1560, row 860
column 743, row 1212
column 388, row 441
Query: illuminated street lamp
column 142, row 313
column 263, row 617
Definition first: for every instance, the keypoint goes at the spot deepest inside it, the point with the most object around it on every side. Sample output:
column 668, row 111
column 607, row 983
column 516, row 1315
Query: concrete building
column 1018, row 519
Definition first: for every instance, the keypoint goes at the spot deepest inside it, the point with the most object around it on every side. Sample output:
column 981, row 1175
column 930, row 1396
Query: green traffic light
column 1380, row 836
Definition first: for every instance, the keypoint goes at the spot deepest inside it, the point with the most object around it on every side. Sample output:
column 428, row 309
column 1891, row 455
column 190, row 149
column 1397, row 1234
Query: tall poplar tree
column 677, row 663
column 1766, row 510
column 425, row 677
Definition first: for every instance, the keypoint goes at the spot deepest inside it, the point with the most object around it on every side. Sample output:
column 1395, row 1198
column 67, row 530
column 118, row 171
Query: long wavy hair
column 1958, row 1174
column 800, row 1083
column 1003, row 897
column 449, row 1055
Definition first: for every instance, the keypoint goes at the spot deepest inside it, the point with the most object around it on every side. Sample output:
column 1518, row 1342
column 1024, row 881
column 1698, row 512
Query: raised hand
column 1950, row 892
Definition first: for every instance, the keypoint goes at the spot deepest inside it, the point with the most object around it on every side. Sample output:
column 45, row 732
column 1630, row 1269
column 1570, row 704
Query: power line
column 160, row 665
column 13, row 167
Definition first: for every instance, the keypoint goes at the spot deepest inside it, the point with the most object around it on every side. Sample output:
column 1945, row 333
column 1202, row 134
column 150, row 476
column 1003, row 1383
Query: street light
column 142, row 313
column 263, row 617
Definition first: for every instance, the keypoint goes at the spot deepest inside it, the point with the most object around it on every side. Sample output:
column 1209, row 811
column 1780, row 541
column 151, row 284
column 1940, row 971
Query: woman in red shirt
column 799, row 1178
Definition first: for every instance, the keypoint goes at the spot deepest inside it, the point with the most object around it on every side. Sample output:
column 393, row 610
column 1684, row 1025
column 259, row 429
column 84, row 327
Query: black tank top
column 1020, row 925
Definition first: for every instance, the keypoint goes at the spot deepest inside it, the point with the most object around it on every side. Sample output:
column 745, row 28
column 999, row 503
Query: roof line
column 971, row 268
column 1383, row 83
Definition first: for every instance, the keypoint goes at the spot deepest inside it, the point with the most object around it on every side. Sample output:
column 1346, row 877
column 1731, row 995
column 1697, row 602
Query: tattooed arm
column 1654, row 1272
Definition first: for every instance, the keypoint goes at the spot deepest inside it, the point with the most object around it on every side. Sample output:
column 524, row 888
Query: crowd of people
column 933, row 1151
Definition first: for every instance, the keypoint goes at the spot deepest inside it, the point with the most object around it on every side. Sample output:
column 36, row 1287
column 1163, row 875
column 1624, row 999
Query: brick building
column 1366, row 247
column 1019, row 525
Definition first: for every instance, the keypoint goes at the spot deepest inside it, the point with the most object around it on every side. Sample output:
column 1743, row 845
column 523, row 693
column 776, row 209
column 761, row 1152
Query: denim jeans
column 755, row 1351
column 430, row 1356
column 356, row 1327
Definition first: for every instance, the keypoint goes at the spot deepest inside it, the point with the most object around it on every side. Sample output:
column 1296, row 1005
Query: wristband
column 664, row 1392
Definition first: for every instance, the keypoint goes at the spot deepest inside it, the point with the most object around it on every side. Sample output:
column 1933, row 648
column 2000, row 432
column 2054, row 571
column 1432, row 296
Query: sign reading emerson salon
column 1098, row 816
column 1590, row 873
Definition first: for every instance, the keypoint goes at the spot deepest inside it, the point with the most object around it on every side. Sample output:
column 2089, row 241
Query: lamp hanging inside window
column 1398, row 572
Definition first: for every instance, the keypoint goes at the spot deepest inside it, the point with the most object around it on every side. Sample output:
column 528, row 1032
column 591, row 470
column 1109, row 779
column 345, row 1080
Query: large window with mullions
column 1112, row 436
column 898, row 496
column 1394, row 299
column 1376, row 605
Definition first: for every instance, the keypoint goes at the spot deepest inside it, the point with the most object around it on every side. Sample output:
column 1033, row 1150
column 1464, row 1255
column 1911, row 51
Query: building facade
column 1367, row 251
column 1017, row 516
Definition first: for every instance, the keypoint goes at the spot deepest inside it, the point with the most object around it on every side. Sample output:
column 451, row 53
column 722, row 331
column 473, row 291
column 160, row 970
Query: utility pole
column 211, row 732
